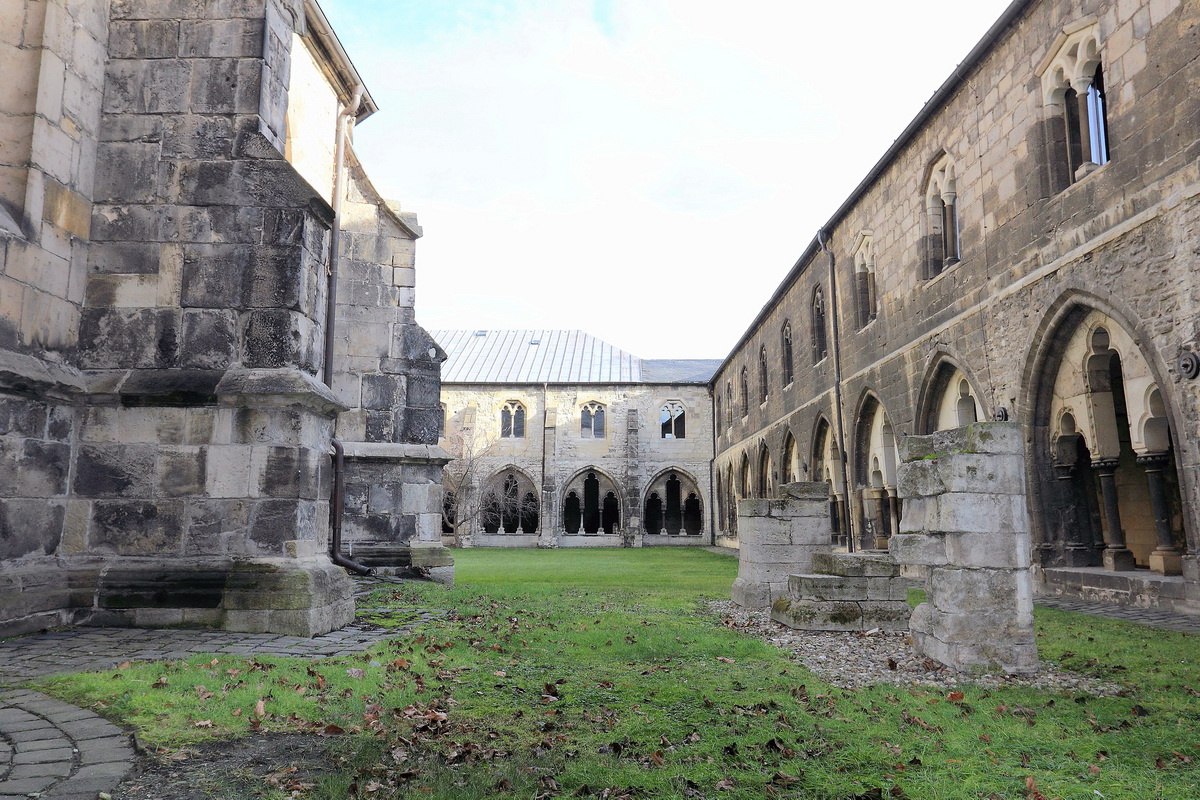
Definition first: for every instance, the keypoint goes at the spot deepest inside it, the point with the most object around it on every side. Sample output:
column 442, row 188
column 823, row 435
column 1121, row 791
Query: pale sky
column 644, row 170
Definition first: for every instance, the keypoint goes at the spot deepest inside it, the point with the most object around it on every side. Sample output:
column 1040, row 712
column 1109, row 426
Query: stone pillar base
column 1119, row 560
column 297, row 598
column 1166, row 562
column 429, row 559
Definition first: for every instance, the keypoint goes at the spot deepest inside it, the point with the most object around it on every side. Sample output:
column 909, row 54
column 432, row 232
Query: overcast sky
column 644, row 170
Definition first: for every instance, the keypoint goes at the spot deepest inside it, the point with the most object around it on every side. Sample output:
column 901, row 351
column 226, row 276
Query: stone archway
column 1105, row 476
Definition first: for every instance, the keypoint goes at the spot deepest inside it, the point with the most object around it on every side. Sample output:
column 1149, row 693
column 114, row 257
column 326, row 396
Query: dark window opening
column 745, row 394
column 489, row 515
column 591, row 504
column 529, row 513
column 674, row 510
column 764, row 386
column 510, row 514
column 611, row 514
column 449, row 511
column 572, row 513
column 512, row 421
column 654, row 514
column 786, row 354
column 693, row 521
column 820, row 347
column 672, row 420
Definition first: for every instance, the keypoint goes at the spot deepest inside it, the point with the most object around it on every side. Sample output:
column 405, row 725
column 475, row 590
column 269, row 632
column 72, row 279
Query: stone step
column 819, row 615
column 853, row 565
column 838, row 587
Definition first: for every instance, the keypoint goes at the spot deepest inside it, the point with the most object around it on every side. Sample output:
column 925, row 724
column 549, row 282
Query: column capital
column 1108, row 465
column 1154, row 460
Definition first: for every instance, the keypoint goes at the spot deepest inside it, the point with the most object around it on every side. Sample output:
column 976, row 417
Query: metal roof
column 553, row 356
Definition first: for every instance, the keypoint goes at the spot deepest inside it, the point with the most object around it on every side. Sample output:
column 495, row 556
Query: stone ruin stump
column 778, row 538
column 846, row 592
column 966, row 520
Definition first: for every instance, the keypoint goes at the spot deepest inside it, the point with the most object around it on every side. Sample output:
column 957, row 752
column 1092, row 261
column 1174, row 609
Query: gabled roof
column 554, row 356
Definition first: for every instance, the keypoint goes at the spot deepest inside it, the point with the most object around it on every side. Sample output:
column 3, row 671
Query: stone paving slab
column 1151, row 617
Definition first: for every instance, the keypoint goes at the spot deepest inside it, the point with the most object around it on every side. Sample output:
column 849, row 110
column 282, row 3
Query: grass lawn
column 594, row 673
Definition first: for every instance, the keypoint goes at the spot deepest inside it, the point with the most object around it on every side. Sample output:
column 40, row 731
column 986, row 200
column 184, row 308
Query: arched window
column 442, row 421
column 671, row 418
column 764, row 385
column 785, row 353
column 764, row 473
column 512, row 420
column 864, row 280
column 729, row 404
column 819, row 347
column 591, row 421
column 941, row 221
column 745, row 394
column 717, row 417
column 1075, row 114
column 787, row 467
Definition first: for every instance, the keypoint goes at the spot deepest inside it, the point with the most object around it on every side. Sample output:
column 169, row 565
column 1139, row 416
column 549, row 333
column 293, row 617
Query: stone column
column 1116, row 555
column 777, row 538
column 1076, row 552
column 1166, row 559
column 966, row 519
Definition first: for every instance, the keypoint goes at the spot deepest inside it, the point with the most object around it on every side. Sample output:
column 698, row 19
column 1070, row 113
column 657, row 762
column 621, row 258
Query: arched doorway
column 591, row 504
column 827, row 467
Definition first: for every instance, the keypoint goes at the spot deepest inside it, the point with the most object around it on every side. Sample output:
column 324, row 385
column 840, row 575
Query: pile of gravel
column 863, row 658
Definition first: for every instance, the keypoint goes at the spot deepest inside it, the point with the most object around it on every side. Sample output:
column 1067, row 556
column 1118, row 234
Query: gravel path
column 856, row 659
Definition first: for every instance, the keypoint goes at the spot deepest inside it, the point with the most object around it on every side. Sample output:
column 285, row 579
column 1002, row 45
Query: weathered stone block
column 114, row 470
column 826, row 587
column 137, row 527
column 181, row 471
column 1002, row 438
column 928, row 549
column 1008, row 550
column 818, row 616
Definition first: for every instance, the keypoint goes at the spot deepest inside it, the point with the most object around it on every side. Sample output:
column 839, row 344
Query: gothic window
column 1075, row 115
column 764, row 385
column 785, row 353
column 729, row 403
column 941, row 220
column 610, row 515
column 512, row 420
column 591, row 421
column 671, row 420
column 572, row 513
column 864, row 280
column 717, row 418
column 449, row 510
column 442, row 421
column 653, row 514
column 745, row 394
column 819, row 347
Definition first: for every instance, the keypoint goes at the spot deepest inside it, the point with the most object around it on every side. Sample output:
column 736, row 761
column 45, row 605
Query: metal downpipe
column 823, row 241
column 337, row 502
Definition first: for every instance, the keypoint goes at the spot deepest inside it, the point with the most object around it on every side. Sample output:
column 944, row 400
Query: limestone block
column 807, row 490
column 926, row 549
column 827, row 587
column 1009, row 550
column 888, row 615
column 971, row 591
column 961, row 472
column 975, row 512
column 1003, row 438
column 818, row 616
column 887, row 589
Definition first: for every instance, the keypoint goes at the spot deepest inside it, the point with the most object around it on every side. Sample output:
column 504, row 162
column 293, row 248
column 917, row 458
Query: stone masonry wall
column 633, row 454
column 1122, row 240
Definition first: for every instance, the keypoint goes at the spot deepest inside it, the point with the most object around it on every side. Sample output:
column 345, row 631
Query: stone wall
column 1035, row 259
column 967, row 522
column 164, row 433
column 632, row 455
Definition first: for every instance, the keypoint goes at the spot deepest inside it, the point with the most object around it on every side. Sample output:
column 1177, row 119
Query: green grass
column 568, row 673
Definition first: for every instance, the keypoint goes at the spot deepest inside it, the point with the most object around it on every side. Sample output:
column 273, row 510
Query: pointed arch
column 674, row 496
column 592, row 501
column 943, row 402
column 789, row 464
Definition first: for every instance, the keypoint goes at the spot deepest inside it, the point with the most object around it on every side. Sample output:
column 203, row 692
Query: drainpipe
column 337, row 501
column 337, row 497
column 823, row 241
column 344, row 120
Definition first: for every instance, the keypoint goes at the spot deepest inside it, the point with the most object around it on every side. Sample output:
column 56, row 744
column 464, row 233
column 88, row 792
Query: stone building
column 562, row 440
column 1027, row 249
column 200, row 290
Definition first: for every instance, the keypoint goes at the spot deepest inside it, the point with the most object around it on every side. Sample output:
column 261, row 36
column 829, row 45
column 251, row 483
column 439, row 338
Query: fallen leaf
column 725, row 660
column 955, row 697
column 260, row 708
column 203, row 723
column 332, row 730
column 1093, row 769
column 355, row 672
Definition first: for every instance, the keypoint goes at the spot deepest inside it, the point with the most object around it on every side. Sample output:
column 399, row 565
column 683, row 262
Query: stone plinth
column 965, row 519
column 846, row 592
column 778, row 538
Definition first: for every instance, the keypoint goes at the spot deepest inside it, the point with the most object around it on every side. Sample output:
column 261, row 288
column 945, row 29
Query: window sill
column 870, row 323
column 1081, row 181
column 945, row 271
